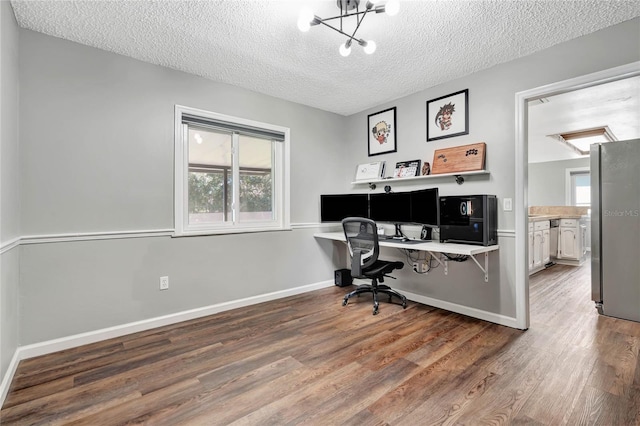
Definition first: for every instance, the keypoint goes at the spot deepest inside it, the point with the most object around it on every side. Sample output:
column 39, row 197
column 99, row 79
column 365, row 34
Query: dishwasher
column 554, row 224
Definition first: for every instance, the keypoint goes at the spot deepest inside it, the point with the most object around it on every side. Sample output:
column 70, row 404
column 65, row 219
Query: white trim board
column 43, row 348
column 8, row 377
column 464, row 310
column 5, row 247
column 112, row 235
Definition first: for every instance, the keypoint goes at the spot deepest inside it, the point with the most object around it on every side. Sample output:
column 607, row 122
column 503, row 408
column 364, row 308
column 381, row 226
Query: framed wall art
column 448, row 116
column 381, row 128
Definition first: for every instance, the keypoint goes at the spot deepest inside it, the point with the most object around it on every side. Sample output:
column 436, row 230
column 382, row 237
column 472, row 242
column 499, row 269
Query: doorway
column 522, row 175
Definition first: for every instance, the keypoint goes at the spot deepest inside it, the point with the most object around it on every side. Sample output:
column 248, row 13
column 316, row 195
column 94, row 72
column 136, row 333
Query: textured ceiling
column 257, row 45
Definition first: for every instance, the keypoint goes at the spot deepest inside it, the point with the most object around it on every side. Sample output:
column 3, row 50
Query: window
column 581, row 189
column 578, row 187
column 231, row 174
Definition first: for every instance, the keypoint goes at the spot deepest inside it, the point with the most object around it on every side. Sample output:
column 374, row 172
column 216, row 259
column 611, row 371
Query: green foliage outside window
column 206, row 192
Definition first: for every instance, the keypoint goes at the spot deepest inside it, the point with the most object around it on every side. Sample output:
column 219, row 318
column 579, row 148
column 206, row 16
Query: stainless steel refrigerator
column 615, row 228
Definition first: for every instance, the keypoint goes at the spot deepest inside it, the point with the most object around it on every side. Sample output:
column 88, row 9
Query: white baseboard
column 464, row 310
column 43, row 348
column 8, row 377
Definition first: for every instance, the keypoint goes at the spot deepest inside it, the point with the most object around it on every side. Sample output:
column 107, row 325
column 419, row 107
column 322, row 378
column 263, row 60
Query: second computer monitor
column 394, row 207
column 425, row 208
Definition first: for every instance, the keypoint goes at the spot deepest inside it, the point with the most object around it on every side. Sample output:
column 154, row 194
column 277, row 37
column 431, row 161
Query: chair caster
column 375, row 311
column 344, row 302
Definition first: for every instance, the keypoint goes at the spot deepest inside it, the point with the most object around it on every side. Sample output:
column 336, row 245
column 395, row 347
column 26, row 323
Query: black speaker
column 343, row 277
column 425, row 234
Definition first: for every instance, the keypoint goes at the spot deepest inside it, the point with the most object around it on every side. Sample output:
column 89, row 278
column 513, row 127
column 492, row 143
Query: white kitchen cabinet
column 567, row 243
column 530, row 247
column 546, row 246
column 570, row 240
column 538, row 245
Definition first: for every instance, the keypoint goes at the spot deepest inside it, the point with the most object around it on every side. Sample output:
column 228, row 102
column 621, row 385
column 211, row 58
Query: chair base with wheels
column 376, row 288
column 362, row 240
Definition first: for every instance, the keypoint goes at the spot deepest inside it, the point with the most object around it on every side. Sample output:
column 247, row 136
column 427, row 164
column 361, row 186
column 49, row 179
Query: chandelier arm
column 352, row 37
column 344, row 16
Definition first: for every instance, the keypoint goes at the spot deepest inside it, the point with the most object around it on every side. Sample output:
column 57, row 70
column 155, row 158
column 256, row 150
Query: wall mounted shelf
column 459, row 178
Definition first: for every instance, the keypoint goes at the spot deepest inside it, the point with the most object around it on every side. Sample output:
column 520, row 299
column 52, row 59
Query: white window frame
column 281, row 179
column 568, row 183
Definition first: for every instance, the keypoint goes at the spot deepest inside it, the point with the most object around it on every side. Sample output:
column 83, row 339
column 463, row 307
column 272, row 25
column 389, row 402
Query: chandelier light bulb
column 370, row 47
column 392, row 7
column 303, row 25
column 345, row 50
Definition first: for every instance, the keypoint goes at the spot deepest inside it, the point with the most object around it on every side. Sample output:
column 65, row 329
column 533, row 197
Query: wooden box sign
column 464, row 158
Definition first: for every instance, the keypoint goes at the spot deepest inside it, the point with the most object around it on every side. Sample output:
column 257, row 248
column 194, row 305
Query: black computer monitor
column 334, row 208
column 394, row 207
column 425, row 207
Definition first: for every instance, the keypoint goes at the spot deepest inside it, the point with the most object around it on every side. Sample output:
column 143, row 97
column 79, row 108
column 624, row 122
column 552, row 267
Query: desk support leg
column 443, row 263
column 486, row 266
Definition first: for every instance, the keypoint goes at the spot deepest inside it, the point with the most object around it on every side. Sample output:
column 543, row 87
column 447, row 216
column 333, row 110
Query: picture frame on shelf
column 407, row 169
column 370, row 171
column 381, row 128
column 448, row 116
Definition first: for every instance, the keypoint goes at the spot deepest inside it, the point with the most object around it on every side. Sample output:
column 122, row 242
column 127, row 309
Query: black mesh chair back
column 362, row 239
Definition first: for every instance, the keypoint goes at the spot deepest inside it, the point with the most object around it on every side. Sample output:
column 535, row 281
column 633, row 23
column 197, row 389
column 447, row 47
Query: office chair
column 362, row 241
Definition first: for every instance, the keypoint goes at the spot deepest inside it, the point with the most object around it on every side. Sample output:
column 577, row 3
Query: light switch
column 507, row 204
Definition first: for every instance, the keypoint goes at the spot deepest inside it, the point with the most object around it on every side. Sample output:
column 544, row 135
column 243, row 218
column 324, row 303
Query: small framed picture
column 381, row 128
column 448, row 116
column 370, row 171
column 407, row 169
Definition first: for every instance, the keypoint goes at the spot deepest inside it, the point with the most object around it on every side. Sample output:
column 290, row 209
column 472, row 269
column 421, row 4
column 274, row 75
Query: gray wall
column 9, row 201
column 547, row 181
column 492, row 120
column 97, row 155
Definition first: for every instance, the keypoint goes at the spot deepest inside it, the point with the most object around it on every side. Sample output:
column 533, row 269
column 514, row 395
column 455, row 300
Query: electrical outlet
column 507, row 204
column 164, row 283
column 420, row 267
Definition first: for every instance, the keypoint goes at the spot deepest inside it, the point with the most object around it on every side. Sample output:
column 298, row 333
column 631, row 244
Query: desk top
column 433, row 246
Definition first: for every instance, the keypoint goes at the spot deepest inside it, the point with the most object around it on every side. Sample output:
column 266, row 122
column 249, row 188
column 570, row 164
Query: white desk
column 432, row 248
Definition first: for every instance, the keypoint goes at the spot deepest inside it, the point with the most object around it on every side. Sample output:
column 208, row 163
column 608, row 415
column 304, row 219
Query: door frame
column 522, row 172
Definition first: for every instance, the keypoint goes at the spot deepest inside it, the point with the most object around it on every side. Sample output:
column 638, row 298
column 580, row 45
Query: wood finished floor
column 308, row 360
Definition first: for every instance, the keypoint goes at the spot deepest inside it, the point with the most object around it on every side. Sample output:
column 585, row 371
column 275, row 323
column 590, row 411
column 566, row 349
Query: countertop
column 539, row 217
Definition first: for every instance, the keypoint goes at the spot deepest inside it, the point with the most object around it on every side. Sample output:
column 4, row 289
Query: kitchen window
column 231, row 174
column 581, row 189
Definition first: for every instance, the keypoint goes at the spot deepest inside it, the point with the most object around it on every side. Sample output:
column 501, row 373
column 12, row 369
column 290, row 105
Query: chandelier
column 308, row 19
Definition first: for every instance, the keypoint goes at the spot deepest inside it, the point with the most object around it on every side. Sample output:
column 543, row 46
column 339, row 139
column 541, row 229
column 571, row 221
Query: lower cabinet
column 570, row 240
column 539, row 249
column 530, row 246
